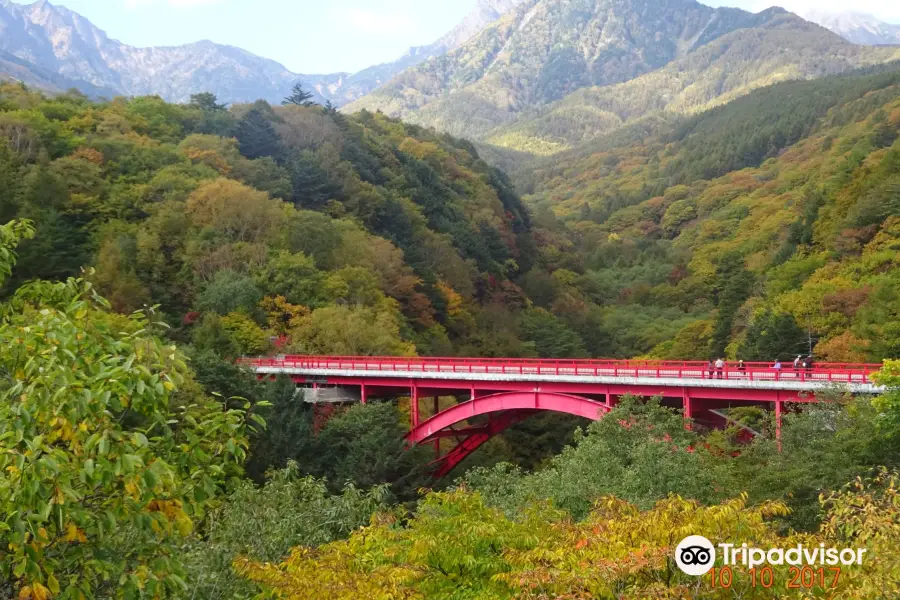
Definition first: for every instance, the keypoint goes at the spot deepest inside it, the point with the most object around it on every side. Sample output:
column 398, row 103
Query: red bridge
column 494, row 394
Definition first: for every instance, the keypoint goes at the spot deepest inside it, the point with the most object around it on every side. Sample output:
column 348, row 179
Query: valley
column 702, row 200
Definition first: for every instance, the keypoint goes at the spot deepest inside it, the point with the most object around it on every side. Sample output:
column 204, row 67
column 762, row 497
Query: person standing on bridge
column 709, row 368
column 777, row 368
column 742, row 368
column 720, row 367
column 797, row 362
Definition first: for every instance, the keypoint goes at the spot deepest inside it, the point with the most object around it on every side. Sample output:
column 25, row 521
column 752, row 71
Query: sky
column 329, row 36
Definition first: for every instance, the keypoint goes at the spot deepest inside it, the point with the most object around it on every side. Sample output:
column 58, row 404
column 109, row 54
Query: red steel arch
column 504, row 410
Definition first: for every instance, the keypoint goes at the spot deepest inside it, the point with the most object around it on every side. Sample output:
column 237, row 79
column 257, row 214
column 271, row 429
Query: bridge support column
column 414, row 405
column 362, row 393
column 688, row 408
column 778, row 412
column 611, row 400
column 437, row 440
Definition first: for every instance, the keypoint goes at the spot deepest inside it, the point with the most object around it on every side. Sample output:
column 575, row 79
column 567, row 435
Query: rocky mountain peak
column 857, row 27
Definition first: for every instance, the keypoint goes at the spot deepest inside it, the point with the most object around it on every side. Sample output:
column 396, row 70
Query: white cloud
column 376, row 22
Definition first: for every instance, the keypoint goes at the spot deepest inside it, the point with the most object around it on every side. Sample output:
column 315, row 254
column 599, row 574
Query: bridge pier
column 688, row 408
column 437, row 440
column 778, row 412
column 414, row 405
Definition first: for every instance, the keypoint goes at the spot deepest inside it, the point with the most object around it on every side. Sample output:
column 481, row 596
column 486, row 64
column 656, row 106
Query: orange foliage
column 845, row 348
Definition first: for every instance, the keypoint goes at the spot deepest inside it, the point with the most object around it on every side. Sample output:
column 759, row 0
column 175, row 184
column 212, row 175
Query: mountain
column 357, row 85
column 52, row 41
column 659, row 55
column 483, row 14
column 796, row 186
column 859, row 28
column 783, row 47
column 13, row 68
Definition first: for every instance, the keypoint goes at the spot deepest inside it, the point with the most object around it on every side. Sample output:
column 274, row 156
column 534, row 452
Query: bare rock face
column 858, row 28
column 551, row 73
column 56, row 40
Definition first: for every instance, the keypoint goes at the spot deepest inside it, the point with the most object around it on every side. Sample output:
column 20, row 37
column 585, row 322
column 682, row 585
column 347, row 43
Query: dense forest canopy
column 363, row 235
column 771, row 218
column 147, row 245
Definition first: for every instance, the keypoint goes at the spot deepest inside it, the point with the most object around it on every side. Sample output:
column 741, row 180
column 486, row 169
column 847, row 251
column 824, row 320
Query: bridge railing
column 752, row 371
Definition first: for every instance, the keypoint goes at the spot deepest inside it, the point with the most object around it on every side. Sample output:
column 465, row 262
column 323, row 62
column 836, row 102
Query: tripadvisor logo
column 695, row 555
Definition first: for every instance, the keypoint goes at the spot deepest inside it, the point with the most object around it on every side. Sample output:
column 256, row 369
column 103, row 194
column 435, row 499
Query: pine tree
column 206, row 101
column 312, row 188
column 299, row 97
column 772, row 337
column 733, row 286
column 257, row 137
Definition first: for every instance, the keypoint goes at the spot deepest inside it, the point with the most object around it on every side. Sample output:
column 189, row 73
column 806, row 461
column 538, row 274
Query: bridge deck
column 759, row 376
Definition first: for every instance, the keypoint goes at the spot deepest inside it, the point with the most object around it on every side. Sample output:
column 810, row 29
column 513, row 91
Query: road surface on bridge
column 499, row 393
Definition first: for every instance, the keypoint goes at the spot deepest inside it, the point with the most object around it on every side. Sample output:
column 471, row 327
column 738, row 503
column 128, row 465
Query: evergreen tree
column 206, row 101
column 774, row 336
column 257, row 137
column 551, row 337
column 8, row 182
column 733, row 285
column 312, row 187
column 332, row 111
column 299, row 97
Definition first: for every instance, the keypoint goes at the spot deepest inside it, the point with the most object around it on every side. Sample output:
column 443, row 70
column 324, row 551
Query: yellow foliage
column 282, row 316
column 210, row 158
column 619, row 551
column 454, row 300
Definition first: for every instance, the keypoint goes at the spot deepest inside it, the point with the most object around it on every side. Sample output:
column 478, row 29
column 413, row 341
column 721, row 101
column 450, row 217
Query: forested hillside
column 769, row 223
column 344, row 235
column 144, row 246
column 551, row 74
column 336, row 234
column 781, row 48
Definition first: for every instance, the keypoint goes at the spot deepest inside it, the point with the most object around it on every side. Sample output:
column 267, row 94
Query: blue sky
column 321, row 36
column 326, row 36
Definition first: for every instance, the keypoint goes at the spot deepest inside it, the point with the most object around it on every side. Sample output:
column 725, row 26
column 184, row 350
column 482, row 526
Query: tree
column 551, row 337
column 351, row 331
column 646, row 454
column 206, row 101
column 257, row 137
column 266, row 522
column 312, row 187
column 229, row 292
column 299, row 97
column 110, row 451
column 295, row 277
column 773, row 336
column 733, row 285
column 235, row 211
column 366, row 446
column 9, row 182
column 457, row 546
